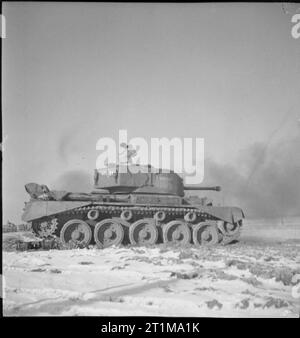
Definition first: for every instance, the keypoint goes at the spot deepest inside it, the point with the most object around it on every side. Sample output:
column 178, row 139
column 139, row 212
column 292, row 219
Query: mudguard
column 38, row 208
column 227, row 214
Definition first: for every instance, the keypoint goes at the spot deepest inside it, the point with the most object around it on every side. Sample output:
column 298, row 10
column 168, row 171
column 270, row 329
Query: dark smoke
column 74, row 181
column 64, row 146
column 266, row 181
column 69, row 144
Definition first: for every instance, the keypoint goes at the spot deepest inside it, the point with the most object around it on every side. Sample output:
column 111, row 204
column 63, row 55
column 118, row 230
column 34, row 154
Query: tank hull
column 134, row 219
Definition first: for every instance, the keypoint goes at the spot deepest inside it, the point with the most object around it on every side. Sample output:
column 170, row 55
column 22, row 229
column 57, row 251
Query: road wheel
column 177, row 232
column 143, row 232
column 108, row 232
column 205, row 234
column 76, row 230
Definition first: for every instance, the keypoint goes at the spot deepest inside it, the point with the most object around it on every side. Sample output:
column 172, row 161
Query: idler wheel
column 76, row 230
column 205, row 234
column 108, row 232
column 231, row 229
column 143, row 232
column 178, row 232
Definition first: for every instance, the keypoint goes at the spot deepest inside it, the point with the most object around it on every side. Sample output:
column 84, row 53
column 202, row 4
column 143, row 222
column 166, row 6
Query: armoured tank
column 132, row 205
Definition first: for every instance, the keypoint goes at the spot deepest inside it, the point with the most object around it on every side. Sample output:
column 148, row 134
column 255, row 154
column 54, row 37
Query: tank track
column 111, row 224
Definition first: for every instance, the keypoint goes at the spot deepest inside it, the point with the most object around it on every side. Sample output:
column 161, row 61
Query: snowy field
column 250, row 278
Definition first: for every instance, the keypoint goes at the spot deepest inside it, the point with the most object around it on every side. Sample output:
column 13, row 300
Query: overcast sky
column 73, row 73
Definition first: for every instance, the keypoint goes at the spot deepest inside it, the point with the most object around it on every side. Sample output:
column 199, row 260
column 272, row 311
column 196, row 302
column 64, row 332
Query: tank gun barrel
column 196, row 187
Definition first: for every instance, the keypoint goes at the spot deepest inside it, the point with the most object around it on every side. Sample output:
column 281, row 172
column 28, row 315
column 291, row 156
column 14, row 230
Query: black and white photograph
column 150, row 160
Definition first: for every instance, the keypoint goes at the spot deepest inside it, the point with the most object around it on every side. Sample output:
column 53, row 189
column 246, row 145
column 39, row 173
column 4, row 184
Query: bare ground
column 256, row 276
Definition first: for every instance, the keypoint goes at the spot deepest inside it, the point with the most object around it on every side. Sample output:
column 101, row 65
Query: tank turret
column 143, row 179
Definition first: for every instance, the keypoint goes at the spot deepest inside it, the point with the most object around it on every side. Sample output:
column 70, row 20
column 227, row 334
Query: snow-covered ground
column 253, row 277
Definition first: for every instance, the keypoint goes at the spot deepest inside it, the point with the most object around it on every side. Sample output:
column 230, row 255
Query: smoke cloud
column 74, row 181
column 265, row 182
column 70, row 145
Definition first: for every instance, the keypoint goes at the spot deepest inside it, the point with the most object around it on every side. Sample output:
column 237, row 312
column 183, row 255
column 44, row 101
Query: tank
column 132, row 205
